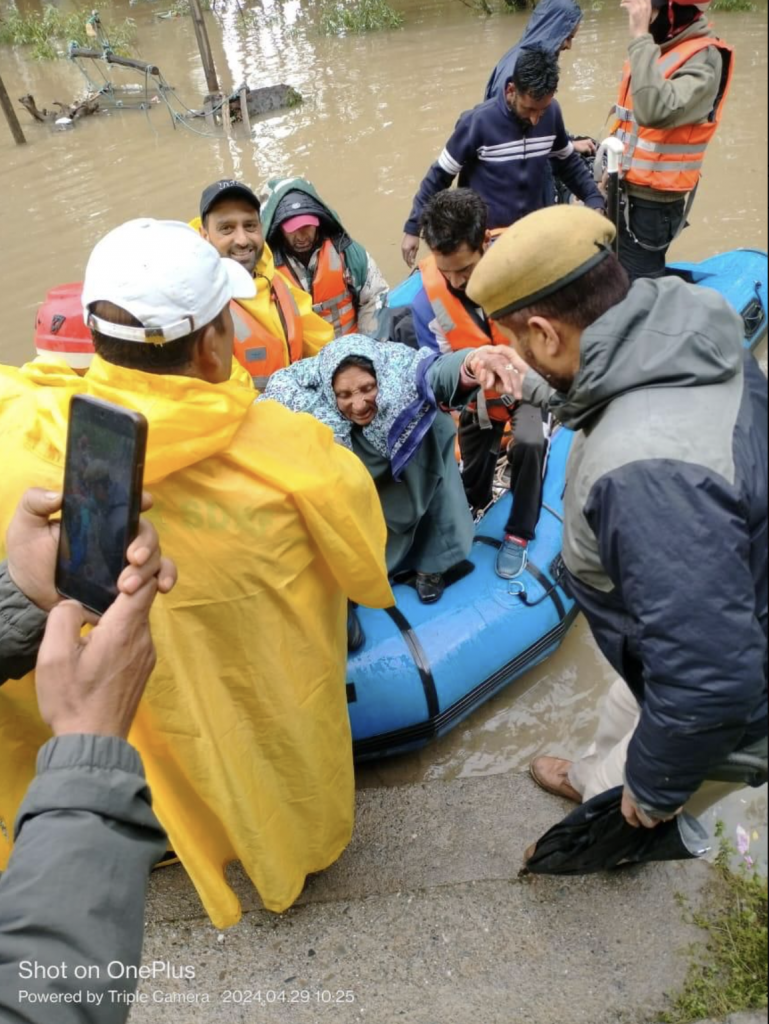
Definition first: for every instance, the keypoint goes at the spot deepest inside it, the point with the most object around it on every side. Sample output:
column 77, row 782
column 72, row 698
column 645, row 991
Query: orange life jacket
column 459, row 328
column 260, row 352
column 669, row 159
column 331, row 295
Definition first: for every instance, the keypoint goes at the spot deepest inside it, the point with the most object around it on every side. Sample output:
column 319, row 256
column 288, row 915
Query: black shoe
column 356, row 638
column 168, row 858
column 430, row 586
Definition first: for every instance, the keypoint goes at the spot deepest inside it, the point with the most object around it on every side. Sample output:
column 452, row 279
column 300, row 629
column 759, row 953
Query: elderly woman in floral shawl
column 382, row 400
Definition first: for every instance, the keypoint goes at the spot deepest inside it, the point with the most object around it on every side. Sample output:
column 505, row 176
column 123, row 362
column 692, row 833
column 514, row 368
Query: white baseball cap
column 165, row 275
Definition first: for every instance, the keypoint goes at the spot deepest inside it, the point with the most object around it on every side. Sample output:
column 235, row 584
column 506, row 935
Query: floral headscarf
column 406, row 405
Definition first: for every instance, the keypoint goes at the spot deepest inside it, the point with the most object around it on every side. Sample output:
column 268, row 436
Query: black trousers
column 654, row 224
column 480, row 448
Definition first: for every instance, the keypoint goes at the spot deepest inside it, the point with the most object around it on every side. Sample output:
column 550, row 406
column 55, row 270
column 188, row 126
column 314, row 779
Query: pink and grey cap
column 165, row 275
column 303, row 220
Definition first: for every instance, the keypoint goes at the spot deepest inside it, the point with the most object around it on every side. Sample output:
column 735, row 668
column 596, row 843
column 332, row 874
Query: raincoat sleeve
column 343, row 514
column 685, row 98
column 75, row 887
column 458, row 151
column 677, row 547
column 22, row 625
column 316, row 332
column 569, row 167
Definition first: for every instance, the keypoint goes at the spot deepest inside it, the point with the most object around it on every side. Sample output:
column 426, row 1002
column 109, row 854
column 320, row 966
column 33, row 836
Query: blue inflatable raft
column 424, row 668
column 742, row 277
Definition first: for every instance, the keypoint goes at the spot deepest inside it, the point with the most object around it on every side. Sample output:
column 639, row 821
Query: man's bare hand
column 92, row 684
column 497, row 368
column 639, row 16
column 409, row 249
column 145, row 559
column 638, row 818
column 33, row 540
column 585, row 147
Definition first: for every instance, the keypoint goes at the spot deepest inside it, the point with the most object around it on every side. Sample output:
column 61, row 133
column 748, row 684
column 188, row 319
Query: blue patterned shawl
column 406, row 405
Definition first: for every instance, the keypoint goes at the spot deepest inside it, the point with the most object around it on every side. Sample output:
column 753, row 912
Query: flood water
column 377, row 110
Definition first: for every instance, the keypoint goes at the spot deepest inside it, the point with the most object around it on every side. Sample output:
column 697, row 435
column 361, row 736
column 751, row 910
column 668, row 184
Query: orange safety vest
column 459, row 328
column 669, row 159
column 331, row 295
column 260, row 352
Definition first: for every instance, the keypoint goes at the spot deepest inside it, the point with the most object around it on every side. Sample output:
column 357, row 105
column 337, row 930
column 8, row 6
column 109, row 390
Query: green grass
column 732, row 5
column 732, row 976
column 342, row 17
column 49, row 32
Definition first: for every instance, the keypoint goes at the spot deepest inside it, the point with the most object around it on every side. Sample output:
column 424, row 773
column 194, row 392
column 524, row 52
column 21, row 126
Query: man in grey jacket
column 72, row 897
column 665, row 509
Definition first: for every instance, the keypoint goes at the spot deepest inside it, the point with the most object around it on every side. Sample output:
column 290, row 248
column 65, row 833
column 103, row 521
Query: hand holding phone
column 32, row 545
column 103, row 476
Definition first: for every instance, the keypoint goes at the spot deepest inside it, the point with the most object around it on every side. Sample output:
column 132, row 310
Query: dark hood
column 291, row 197
column 665, row 334
column 552, row 22
column 295, row 203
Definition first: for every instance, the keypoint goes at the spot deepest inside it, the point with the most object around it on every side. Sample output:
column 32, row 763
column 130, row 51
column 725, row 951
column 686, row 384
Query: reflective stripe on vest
column 460, row 329
column 331, row 296
column 259, row 351
column 669, row 159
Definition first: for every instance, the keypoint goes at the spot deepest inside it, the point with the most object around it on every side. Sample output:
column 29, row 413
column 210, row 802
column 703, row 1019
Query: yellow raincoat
column 243, row 728
column 316, row 332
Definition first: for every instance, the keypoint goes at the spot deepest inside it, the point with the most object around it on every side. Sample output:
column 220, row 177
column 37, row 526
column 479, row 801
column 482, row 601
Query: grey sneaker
column 512, row 557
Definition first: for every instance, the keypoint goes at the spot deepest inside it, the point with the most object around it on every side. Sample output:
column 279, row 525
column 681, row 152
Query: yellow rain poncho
column 316, row 332
column 243, row 728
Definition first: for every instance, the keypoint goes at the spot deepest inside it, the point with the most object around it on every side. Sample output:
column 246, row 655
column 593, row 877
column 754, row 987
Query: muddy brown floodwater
column 378, row 109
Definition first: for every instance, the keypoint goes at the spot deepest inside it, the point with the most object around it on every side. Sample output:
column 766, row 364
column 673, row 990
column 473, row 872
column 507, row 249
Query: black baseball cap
column 227, row 188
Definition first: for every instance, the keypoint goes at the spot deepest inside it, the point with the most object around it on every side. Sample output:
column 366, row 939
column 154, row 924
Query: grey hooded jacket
column 665, row 536
column 21, row 629
column 74, row 890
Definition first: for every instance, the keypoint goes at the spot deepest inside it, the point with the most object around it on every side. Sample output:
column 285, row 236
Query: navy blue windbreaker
column 506, row 163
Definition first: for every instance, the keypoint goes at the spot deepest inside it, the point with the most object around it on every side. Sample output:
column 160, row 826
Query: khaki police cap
column 539, row 255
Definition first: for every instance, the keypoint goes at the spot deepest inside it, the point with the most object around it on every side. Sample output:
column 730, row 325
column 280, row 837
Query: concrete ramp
column 424, row 921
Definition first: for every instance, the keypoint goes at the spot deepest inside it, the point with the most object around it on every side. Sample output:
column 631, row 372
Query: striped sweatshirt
column 505, row 162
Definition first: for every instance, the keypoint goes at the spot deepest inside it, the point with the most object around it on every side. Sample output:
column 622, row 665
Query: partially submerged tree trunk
column 73, row 111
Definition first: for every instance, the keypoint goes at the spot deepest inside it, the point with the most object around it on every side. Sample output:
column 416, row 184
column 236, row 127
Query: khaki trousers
column 603, row 765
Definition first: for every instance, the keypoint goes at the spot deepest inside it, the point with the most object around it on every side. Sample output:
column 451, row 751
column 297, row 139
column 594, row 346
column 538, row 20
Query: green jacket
column 354, row 254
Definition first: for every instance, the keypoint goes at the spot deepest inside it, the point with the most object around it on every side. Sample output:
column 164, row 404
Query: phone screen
column 103, row 477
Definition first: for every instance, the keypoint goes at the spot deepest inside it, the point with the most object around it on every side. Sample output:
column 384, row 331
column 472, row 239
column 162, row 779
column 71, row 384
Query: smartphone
column 103, row 477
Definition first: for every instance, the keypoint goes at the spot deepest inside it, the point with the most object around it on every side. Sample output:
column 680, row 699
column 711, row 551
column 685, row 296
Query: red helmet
column 60, row 329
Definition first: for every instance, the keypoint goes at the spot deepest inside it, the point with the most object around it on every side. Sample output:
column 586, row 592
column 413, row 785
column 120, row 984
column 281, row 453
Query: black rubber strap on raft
column 550, row 588
column 421, row 660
